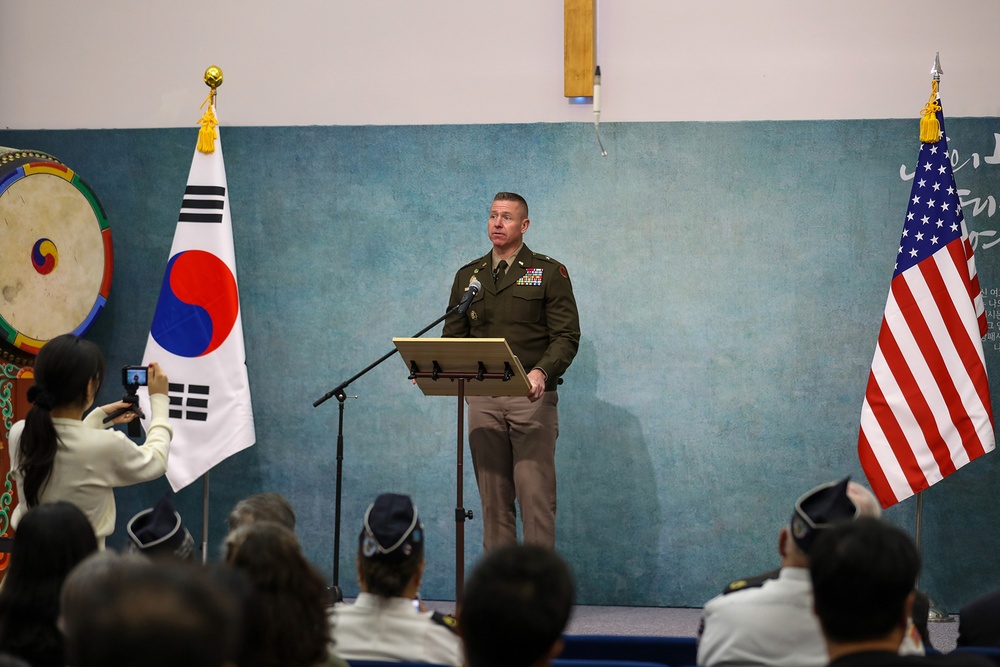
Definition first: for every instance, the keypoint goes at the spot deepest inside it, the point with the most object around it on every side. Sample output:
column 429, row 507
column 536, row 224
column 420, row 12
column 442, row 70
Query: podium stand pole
column 497, row 372
column 459, row 508
column 461, row 514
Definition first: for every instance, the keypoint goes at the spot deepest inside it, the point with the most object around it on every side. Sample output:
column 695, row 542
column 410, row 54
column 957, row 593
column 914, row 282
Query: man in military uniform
column 526, row 298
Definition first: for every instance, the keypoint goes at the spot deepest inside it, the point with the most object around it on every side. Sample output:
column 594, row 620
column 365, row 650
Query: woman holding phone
column 58, row 454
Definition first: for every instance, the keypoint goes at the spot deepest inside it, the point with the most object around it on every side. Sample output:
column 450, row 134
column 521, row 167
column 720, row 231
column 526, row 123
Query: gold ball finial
column 213, row 77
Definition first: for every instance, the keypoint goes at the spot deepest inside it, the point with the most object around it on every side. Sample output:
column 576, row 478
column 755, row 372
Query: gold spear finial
column 207, row 134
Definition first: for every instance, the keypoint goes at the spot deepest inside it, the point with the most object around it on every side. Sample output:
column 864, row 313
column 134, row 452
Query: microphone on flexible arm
column 470, row 294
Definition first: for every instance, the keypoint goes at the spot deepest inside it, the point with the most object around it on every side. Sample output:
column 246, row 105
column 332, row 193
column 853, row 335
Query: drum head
column 57, row 259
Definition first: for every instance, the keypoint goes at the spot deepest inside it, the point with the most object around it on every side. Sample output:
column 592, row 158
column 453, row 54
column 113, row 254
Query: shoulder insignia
column 750, row 582
column 477, row 260
column 546, row 258
column 737, row 585
column 446, row 620
column 472, row 263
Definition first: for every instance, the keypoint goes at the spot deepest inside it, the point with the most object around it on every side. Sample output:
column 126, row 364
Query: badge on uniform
column 531, row 277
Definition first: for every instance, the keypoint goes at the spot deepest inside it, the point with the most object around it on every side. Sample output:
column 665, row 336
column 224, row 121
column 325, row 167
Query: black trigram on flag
column 190, row 403
column 203, row 203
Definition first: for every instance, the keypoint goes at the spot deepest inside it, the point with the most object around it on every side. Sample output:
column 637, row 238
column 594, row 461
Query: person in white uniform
column 387, row 622
column 774, row 624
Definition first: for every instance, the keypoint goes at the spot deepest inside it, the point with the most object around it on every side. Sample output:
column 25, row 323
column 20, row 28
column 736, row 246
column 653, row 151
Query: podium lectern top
column 468, row 358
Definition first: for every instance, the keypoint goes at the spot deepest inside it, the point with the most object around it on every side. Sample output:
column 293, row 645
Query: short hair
column 268, row 506
column 161, row 615
column 862, row 573
column 516, row 605
column 512, row 196
column 88, row 577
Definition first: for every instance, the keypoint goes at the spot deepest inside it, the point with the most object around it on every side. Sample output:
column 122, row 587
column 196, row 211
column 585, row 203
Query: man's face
column 507, row 225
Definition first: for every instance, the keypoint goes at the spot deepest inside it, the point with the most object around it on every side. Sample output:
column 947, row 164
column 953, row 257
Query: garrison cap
column 392, row 532
column 819, row 509
column 159, row 531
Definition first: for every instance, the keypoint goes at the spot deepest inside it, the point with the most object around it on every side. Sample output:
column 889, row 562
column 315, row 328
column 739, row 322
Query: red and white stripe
column 927, row 408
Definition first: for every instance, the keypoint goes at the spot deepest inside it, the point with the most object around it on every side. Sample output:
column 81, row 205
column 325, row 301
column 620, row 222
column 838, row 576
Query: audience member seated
column 772, row 623
column 863, row 575
column 262, row 507
column 515, row 608
column 161, row 614
column 918, row 638
column 285, row 615
column 979, row 621
column 867, row 505
column 159, row 532
column 387, row 622
column 84, row 580
column 50, row 541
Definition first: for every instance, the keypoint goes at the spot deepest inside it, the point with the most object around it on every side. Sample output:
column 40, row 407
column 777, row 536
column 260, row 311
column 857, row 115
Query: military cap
column 392, row 531
column 159, row 531
column 820, row 508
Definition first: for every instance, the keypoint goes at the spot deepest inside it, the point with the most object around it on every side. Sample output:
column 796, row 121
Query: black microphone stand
column 341, row 396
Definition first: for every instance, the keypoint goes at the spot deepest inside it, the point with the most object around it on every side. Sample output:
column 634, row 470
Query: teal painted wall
column 730, row 277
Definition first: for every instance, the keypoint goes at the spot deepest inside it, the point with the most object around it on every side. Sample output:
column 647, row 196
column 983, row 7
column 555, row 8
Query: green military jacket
column 532, row 307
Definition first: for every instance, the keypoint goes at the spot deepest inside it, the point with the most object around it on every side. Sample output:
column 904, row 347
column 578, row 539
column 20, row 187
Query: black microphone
column 470, row 294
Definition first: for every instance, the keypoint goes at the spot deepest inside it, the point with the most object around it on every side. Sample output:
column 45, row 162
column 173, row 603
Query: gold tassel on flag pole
column 930, row 128
column 207, row 134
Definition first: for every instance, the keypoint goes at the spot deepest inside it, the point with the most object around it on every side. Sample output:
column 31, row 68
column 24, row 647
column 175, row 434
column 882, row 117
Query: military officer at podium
column 526, row 298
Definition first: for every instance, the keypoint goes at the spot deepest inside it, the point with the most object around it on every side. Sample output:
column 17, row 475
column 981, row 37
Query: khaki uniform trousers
column 513, row 444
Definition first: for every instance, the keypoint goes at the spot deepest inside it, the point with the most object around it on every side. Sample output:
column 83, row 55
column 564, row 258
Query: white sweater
column 92, row 460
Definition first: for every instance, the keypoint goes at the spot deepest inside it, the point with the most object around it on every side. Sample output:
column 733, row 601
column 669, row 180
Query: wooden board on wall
column 579, row 58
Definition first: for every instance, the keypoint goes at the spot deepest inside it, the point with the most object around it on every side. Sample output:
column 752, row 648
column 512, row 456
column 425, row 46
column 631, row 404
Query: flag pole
column 206, row 144
column 934, row 613
column 204, row 521
column 936, row 79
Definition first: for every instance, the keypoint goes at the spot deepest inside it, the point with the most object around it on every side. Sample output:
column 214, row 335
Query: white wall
column 125, row 63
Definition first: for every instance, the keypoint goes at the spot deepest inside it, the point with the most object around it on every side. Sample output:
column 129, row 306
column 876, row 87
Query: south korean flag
column 197, row 331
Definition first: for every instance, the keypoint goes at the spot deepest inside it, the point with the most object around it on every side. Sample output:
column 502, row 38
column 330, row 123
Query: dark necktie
column 499, row 271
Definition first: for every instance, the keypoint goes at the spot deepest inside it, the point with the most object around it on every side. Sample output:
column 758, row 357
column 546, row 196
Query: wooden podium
column 463, row 367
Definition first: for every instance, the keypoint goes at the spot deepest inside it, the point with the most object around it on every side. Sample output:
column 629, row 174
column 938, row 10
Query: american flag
column 927, row 408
